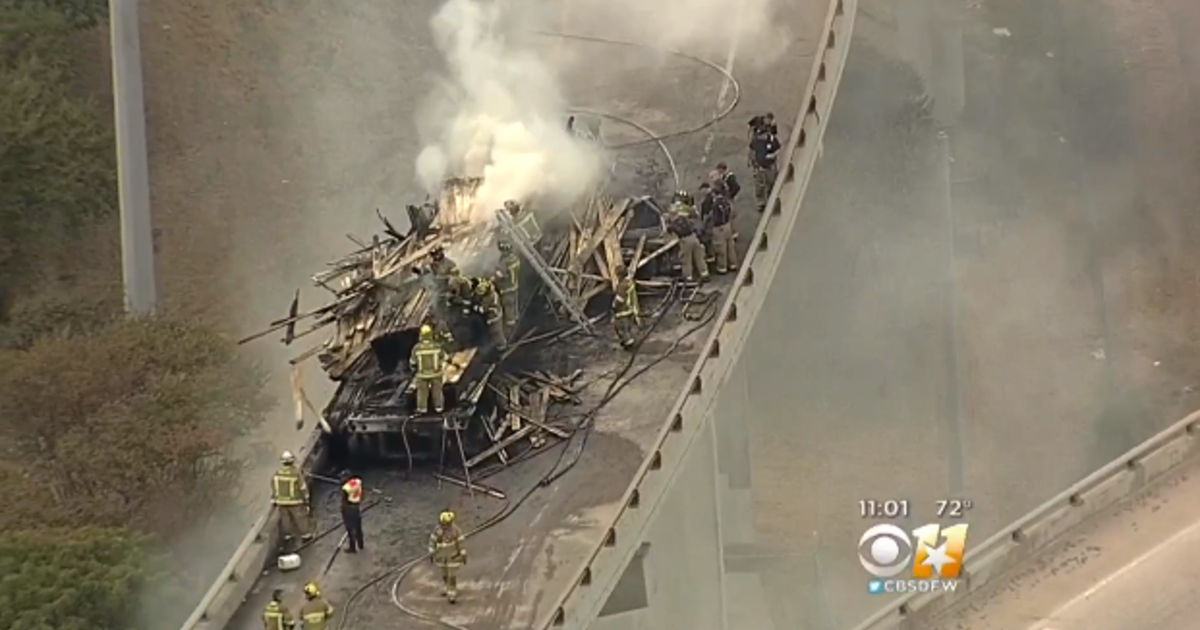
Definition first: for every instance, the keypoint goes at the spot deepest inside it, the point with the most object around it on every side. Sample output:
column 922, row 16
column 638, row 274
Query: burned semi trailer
column 383, row 292
column 373, row 410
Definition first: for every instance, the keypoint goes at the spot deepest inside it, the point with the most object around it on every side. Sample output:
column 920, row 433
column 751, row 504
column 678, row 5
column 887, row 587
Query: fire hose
column 622, row 379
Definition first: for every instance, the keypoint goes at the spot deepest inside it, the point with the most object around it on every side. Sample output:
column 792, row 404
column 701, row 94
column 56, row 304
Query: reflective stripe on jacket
column 315, row 613
column 352, row 491
column 287, row 487
column 276, row 617
column 510, row 277
column 625, row 302
column 429, row 359
column 445, row 545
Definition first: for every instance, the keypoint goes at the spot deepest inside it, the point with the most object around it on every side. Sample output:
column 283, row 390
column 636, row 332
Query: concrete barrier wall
column 235, row 580
column 691, row 419
column 1148, row 463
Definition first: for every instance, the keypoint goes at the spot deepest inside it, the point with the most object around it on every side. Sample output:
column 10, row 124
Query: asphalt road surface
column 1135, row 568
column 996, row 303
column 299, row 124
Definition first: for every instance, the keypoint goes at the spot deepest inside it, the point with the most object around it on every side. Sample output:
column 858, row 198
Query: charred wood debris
column 374, row 291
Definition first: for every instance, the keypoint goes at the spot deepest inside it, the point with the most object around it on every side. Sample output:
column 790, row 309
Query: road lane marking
column 1108, row 580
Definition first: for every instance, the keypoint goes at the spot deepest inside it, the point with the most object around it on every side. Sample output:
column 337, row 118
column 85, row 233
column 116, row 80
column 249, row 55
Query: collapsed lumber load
column 383, row 292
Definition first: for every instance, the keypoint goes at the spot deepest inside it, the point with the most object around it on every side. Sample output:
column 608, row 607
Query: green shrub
column 125, row 424
column 82, row 579
column 76, row 13
column 57, row 159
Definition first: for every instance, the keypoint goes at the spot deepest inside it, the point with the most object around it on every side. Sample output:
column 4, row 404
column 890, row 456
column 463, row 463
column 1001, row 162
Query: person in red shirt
column 352, row 493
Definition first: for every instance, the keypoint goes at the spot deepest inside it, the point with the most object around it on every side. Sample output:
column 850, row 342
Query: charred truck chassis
column 373, row 411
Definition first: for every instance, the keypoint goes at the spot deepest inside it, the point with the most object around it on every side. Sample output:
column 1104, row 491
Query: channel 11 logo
column 886, row 552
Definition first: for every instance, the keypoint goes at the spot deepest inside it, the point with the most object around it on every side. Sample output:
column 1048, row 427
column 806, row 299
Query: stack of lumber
column 524, row 400
column 587, row 260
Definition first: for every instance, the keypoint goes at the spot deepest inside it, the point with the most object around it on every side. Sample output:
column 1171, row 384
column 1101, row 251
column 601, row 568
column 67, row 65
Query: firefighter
column 315, row 612
column 722, row 175
column 458, row 290
column 487, row 301
column 447, row 553
column 276, row 616
column 682, row 203
column 627, row 318
column 764, row 151
column 682, row 224
column 439, row 265
column 508, row 282
column 428, row 362
column 719, row 221
column 289, row 493
column 352, row 493
column 443, row 271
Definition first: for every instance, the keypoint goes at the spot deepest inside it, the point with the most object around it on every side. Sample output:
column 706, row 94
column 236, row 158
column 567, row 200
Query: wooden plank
column 607, row 224
column 658, row 252
column 514, row 403
column 501, row 445
column 637, row 255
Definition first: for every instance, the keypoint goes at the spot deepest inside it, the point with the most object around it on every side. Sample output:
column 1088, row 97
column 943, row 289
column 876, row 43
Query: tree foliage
column 123, row 423
column 77, row 579
column 77, row 13
column 57, row 159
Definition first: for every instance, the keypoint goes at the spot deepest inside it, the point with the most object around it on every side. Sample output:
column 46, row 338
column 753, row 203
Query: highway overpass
column 884, row 324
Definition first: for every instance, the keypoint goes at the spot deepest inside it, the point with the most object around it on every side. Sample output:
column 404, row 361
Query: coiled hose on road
column 622, row 379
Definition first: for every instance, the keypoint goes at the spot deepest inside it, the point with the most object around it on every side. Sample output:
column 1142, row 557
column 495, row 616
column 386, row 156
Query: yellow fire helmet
column 484, row 287
column 311, row 590
column 446, row 517
column 426, row 332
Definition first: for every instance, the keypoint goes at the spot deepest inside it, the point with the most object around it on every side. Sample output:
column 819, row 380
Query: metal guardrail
column 1147, row 463
column 580, row 603
column 222, row 600
column 588, row 589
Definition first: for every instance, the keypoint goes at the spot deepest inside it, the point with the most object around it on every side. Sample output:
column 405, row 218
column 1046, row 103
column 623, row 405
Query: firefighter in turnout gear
column 439, row 265
column 718, row 219
column 352, row 493
column 447, row 553
column 508, row 283
column 315, row 612
column 627, row 318
column 289, row 493
column 725, row 177
column 428, row 363
column 487, row 301
column 276, row 616
column 764, row 151
column 458, row 290
column 683, row 224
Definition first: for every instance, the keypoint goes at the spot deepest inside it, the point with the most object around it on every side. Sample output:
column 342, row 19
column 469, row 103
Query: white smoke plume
column 757, row 29
column 500, row 114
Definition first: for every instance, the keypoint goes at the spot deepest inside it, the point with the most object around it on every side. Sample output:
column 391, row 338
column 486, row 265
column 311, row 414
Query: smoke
column 756, row 29
column 499, row 114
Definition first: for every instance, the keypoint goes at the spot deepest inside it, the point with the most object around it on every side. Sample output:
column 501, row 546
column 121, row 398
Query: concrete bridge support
column 681, row 575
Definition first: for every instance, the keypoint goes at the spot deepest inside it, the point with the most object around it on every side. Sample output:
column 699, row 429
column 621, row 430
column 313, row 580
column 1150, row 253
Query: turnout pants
column 496, row 327
column 508, row 301
column 764, row 180
column 352, row 520
column 626, row 328
column 691, row 258
column 294, row 522
column 430, row 387
column 723, row 248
